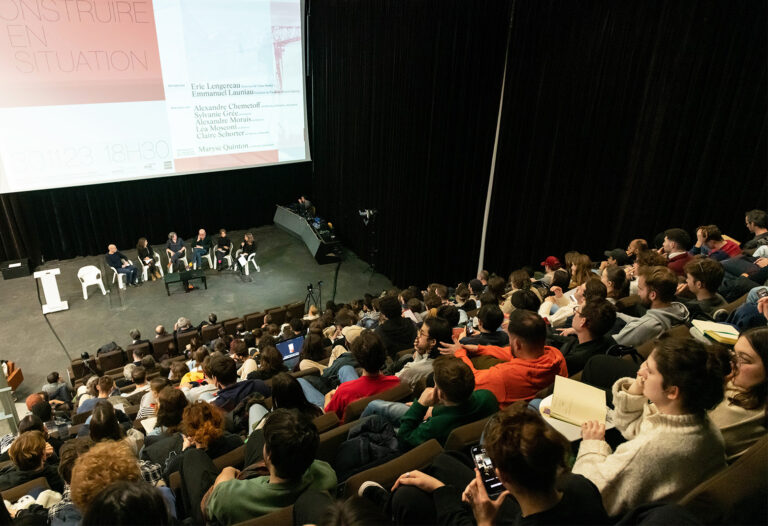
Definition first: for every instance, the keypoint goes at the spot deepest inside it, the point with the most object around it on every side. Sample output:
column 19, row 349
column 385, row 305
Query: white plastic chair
column 90, row 275
column 120, row 278
column 250, row 259
column 145, row 268
column 170, row 264
column 208, row 257
column 228, row 257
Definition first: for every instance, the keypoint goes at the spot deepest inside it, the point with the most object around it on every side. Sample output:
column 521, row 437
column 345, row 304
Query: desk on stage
column 186, row 275
column 323, row 251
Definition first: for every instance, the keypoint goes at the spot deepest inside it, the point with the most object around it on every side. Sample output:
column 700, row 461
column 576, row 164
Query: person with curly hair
column 96, row 469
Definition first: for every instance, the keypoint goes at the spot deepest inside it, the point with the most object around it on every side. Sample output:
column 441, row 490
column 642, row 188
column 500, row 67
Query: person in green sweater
column 439, row 410
column 290, row 444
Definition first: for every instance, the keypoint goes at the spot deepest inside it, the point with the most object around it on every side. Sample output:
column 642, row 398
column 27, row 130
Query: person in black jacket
column 147, row 256
column 29, row 453
column 396, row 333
column 223, row 247
column 526, row 455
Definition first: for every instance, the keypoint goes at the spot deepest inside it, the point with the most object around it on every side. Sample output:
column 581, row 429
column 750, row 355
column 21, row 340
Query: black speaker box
column 15, row 269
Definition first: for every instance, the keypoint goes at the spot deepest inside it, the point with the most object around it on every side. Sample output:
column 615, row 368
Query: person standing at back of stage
column 147, row 255
column 201, row 247
column 175, row 249
column 122, row 265
column 223, row 246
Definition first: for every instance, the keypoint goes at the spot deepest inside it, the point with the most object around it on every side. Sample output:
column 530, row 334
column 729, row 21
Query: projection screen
column 98, row 91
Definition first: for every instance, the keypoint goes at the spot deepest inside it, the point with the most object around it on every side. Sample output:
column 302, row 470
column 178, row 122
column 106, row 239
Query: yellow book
column 720, row 332
column 575, row 402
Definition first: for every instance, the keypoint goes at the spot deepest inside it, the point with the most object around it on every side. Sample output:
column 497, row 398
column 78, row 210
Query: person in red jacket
column 527, row 366
column 370, row 354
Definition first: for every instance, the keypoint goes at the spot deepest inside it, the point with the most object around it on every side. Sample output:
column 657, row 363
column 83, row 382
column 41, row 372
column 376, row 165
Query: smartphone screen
column 483, row 462
column 762, row 293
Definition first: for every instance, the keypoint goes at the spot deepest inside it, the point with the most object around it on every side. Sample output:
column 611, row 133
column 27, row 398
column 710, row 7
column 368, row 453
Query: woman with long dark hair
column 147, row 256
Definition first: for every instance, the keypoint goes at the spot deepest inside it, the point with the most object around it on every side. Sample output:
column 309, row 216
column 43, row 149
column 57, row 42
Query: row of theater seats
column 172, row 344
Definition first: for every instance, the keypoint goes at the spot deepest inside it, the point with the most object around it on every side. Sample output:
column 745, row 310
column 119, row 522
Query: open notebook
column 720, row 332
column 575, row 402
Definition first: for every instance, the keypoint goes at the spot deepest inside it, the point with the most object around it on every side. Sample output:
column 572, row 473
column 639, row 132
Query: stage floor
column 286, row 269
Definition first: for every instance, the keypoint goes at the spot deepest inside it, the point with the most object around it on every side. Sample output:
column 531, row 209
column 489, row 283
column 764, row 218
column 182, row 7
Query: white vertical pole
column 481, row 256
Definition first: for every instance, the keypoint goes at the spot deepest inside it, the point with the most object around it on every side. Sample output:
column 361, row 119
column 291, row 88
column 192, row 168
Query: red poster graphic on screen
column 56, row 52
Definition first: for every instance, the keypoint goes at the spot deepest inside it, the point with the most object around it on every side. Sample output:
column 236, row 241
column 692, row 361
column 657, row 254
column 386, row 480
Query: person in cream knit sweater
column 671, row 443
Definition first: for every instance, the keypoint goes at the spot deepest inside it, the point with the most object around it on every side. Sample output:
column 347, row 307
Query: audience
column 675, row 247
column 230, row 391
column 489, row 319
column 426, row 348
column 29, row 453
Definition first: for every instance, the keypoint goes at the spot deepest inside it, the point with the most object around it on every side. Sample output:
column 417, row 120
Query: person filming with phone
column 522, row 452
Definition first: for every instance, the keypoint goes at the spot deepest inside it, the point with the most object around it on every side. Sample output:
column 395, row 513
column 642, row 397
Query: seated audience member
column 635, row 247
column 28, row 454
column 527, row 364
column 675, row 247
column 703, row 277
column 270, row 364
column 107, row 391
column 591, row 323
column 656, row 287
column 127, row 378
column 757, row 223
column 414, row 310
column 518, row 280
column 426, row 348
column 555, row 299
column 617, row 257
column 243, row 361
column 138, row 354
column 462, row 300
column 287, row 394
column 122, row 265
column 64, row 512
column 550, row 264
column 104, row 425
column 396, row 333
column 581, row 270
column 195, row 365
column 741, row 415
column 369, row 352
column 453, row 400
column 452, row 314
column 530, row 460
column 524, row 299
column 55, row 388
column 147, row 255
column 718, row 248
column 178, row 371
column 616, row 283
column 139, row 377
column 117, row 505
column 200, row 247
column 312, row 353
column 148, row 404
column 99, row 467
column 170, row 410
column 489, row 319
column 476, row 288
column 312, row 314
column 592, row 289
column 672, row 444
column 160, row 331
column 202, row 427
column 497, row 286
column 32, row 422
column 230, row 391
column 87, row 391
column 175, row 249
column 290, row 444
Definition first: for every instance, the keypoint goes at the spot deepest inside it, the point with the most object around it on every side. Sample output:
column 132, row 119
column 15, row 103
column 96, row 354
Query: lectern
column 53, row 301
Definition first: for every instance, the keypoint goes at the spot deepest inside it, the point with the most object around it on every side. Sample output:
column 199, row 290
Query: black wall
column 620, row 119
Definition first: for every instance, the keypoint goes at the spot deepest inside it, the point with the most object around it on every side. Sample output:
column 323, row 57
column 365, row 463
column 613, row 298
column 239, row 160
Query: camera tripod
column 312, row 298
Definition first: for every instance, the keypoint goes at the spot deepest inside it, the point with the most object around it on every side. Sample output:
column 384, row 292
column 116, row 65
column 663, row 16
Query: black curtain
column 68, row 222
column 406, row 96
column 622, row 119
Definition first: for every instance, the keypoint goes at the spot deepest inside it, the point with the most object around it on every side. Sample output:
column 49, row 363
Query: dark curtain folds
column 406, row 98
column 68, row 222
column 622, row 119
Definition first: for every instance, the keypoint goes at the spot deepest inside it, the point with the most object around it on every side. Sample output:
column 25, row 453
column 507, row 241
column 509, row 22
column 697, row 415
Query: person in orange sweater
column 527, row 366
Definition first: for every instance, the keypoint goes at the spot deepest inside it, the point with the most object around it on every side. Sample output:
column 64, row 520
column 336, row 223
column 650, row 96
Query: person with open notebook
column 672, row 445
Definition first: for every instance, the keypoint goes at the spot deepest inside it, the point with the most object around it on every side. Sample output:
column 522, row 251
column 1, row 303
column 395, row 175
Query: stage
column 286, row 269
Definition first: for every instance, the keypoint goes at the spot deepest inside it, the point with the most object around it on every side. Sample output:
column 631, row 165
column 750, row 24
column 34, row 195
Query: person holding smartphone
column 526, row 455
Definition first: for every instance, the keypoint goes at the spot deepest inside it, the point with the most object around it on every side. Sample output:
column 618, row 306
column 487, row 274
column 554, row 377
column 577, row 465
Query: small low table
column 186, row 275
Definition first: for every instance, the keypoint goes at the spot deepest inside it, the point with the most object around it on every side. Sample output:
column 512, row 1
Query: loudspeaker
column 15, row 269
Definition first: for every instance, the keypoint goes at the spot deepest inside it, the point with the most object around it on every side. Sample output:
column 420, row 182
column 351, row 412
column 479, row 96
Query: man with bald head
column 120, row 263
column 202, row 246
